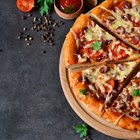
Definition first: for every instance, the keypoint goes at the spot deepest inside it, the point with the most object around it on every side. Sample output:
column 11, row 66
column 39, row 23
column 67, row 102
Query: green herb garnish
column 45, row 6
column 82, row 129
column 96, row 45
column 136, row 92
column 83, row 91
column 69, row 10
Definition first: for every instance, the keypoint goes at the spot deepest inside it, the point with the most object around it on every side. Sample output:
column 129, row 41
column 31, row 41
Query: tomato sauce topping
column 118, row 54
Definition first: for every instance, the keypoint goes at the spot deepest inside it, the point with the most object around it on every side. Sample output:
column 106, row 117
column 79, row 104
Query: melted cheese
column 82, row 58
column 92, row 88
column 94, row 32
column 134, row 12
column 119, row 74
column 132, row 87
column 96, row 77
column 138, row 75
column 134, row 3
column 119, row 21
column 137, row 101
column 89, row 35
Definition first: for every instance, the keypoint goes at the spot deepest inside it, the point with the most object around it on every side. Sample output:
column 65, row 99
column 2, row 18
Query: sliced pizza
column 88, row 42
column 122, row 17
column 125, row 111
column 95, row 87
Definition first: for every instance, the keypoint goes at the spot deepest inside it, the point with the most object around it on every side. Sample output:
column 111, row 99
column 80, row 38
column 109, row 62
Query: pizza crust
column 70, row 47
column 124, row 122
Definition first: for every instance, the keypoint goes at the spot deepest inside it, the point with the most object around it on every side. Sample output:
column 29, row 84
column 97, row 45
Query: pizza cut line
column 113, row 62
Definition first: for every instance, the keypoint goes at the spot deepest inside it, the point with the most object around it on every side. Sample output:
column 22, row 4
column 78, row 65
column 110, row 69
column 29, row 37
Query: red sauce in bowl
column 69, row 6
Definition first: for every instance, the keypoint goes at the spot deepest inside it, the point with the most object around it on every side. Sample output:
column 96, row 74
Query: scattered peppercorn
column 19, row 37
column 23, row 17
column 28, row 44
column 44, row 52
column 20, row 33
column 45, row 25
column 30, row 38
column 29, row 15
column 24, row 28
column 35, row 19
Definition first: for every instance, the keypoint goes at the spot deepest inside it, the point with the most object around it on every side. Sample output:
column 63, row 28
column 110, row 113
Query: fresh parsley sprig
column 69, row 10
column 82, row 129
column 96, row 46
column 83, row 91
column 136, row 92
column 45, row 6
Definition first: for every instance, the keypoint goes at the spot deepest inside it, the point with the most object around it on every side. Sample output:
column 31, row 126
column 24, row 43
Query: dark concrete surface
column 32, row 103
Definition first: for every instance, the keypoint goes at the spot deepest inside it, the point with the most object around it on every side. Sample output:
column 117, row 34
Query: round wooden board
column 89, row 117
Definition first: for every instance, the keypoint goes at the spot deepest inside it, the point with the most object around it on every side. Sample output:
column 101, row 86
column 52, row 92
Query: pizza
column 111, row 87
column 122, row 17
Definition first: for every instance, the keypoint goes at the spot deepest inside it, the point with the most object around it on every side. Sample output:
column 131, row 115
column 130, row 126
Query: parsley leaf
column 45, row 6
column 83, row 91
column 69, row 10
column 96, row 45
column 82, row 129
column 136, row 92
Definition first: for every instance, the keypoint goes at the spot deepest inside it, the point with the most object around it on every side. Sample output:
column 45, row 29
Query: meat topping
column 120, row 30
column 135, row 40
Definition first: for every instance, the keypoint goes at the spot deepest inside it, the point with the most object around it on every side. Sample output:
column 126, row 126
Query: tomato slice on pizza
column 95, row 87
column 88, row 42
column 122, row 18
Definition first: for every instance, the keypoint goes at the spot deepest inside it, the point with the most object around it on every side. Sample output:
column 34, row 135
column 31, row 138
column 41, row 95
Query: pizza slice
column 122, row 17
column 88, row 42
column 125, row 111
column 95, row 87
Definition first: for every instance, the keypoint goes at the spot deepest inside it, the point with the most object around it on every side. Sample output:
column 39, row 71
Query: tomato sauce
column 69, row 6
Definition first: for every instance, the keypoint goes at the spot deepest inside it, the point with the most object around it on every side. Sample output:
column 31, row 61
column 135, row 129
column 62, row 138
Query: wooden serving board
column 89, row 117
column 85, row 114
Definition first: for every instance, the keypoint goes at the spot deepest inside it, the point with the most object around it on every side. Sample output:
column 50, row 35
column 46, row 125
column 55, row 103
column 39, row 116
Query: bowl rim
column 79, row 10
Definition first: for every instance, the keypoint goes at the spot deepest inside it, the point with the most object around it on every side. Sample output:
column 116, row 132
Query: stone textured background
column 32, row 103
